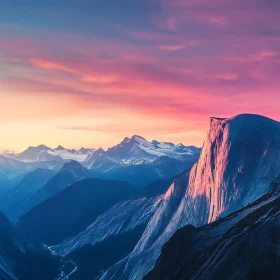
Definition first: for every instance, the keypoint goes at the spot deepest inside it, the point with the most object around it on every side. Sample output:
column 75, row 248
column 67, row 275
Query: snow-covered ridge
column 131, row 151
column 137, row 144
column 137, row 150
column 44, row 153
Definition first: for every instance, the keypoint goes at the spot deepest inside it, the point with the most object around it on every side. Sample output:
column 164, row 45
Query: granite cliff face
column 243, row 245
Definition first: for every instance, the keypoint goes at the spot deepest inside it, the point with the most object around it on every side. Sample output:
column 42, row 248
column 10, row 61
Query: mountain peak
column 72, row 165
column 243, row 117
column 137, row 138
column 41, row 147
column 125, row 140
column 100, row 150
column 59, row 147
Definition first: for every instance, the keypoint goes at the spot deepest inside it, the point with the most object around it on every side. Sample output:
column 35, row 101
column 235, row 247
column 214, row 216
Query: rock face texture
column 243, row 245
column 239, row 160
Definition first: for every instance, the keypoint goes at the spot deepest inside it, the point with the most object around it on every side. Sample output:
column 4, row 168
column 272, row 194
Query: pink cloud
column 174, row 48
column 194, row 61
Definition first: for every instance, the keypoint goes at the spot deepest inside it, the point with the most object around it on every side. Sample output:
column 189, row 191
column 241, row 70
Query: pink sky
column 156, row 68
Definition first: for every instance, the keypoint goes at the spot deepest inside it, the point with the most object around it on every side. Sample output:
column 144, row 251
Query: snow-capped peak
column 44, row 153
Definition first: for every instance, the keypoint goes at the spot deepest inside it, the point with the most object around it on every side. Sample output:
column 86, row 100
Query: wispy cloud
column 173, row 60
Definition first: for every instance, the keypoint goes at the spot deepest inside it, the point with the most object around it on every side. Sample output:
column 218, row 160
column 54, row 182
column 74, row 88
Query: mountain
column 38, row 186
column 14, row 169
column 32, row 154
column 137, row 149
column 238, row 162
column 83, row 150
column 44, row 153
column 19, row 260
column 72, row 154
column 72, row 210
column 243, row 245
column 8, row 154
column 16, row 201
column 70, row 173
column 117, row 231
column 141, row 162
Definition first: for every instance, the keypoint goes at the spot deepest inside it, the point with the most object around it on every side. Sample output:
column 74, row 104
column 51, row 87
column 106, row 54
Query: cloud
column 177, row 60
column 90, row 77
column 174, row 48
column 228, row 77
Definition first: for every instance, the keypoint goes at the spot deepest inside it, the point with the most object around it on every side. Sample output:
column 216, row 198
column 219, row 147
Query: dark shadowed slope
column 72, row 210
column 15, row 203
column 19, row 260
column 244, row 245
column 70, row 173
column 113, row 234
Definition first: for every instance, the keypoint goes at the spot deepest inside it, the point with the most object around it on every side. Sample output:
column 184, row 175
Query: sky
column 90, row 72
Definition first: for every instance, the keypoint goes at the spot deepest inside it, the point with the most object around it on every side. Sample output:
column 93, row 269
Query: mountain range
column 125, row 161
column 218, row 219
column 134, row 160
column 238, row 162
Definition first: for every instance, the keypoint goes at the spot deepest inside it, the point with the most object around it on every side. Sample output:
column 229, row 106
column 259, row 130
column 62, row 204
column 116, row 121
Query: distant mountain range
column 125, row 161
column 141, row 162
column 216, row 220
column 44, row 153
column 134, row 150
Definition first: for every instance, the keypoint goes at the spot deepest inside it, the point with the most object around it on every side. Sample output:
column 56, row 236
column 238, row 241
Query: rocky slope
column 72, row 210
column 116, row 230
column 243, row 245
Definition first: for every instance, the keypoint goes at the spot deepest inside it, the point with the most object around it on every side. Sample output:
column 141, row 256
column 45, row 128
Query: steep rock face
column 239, row 159
column 243, row 245
column 148, row 248
column 117, row 231
column 122, row 217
